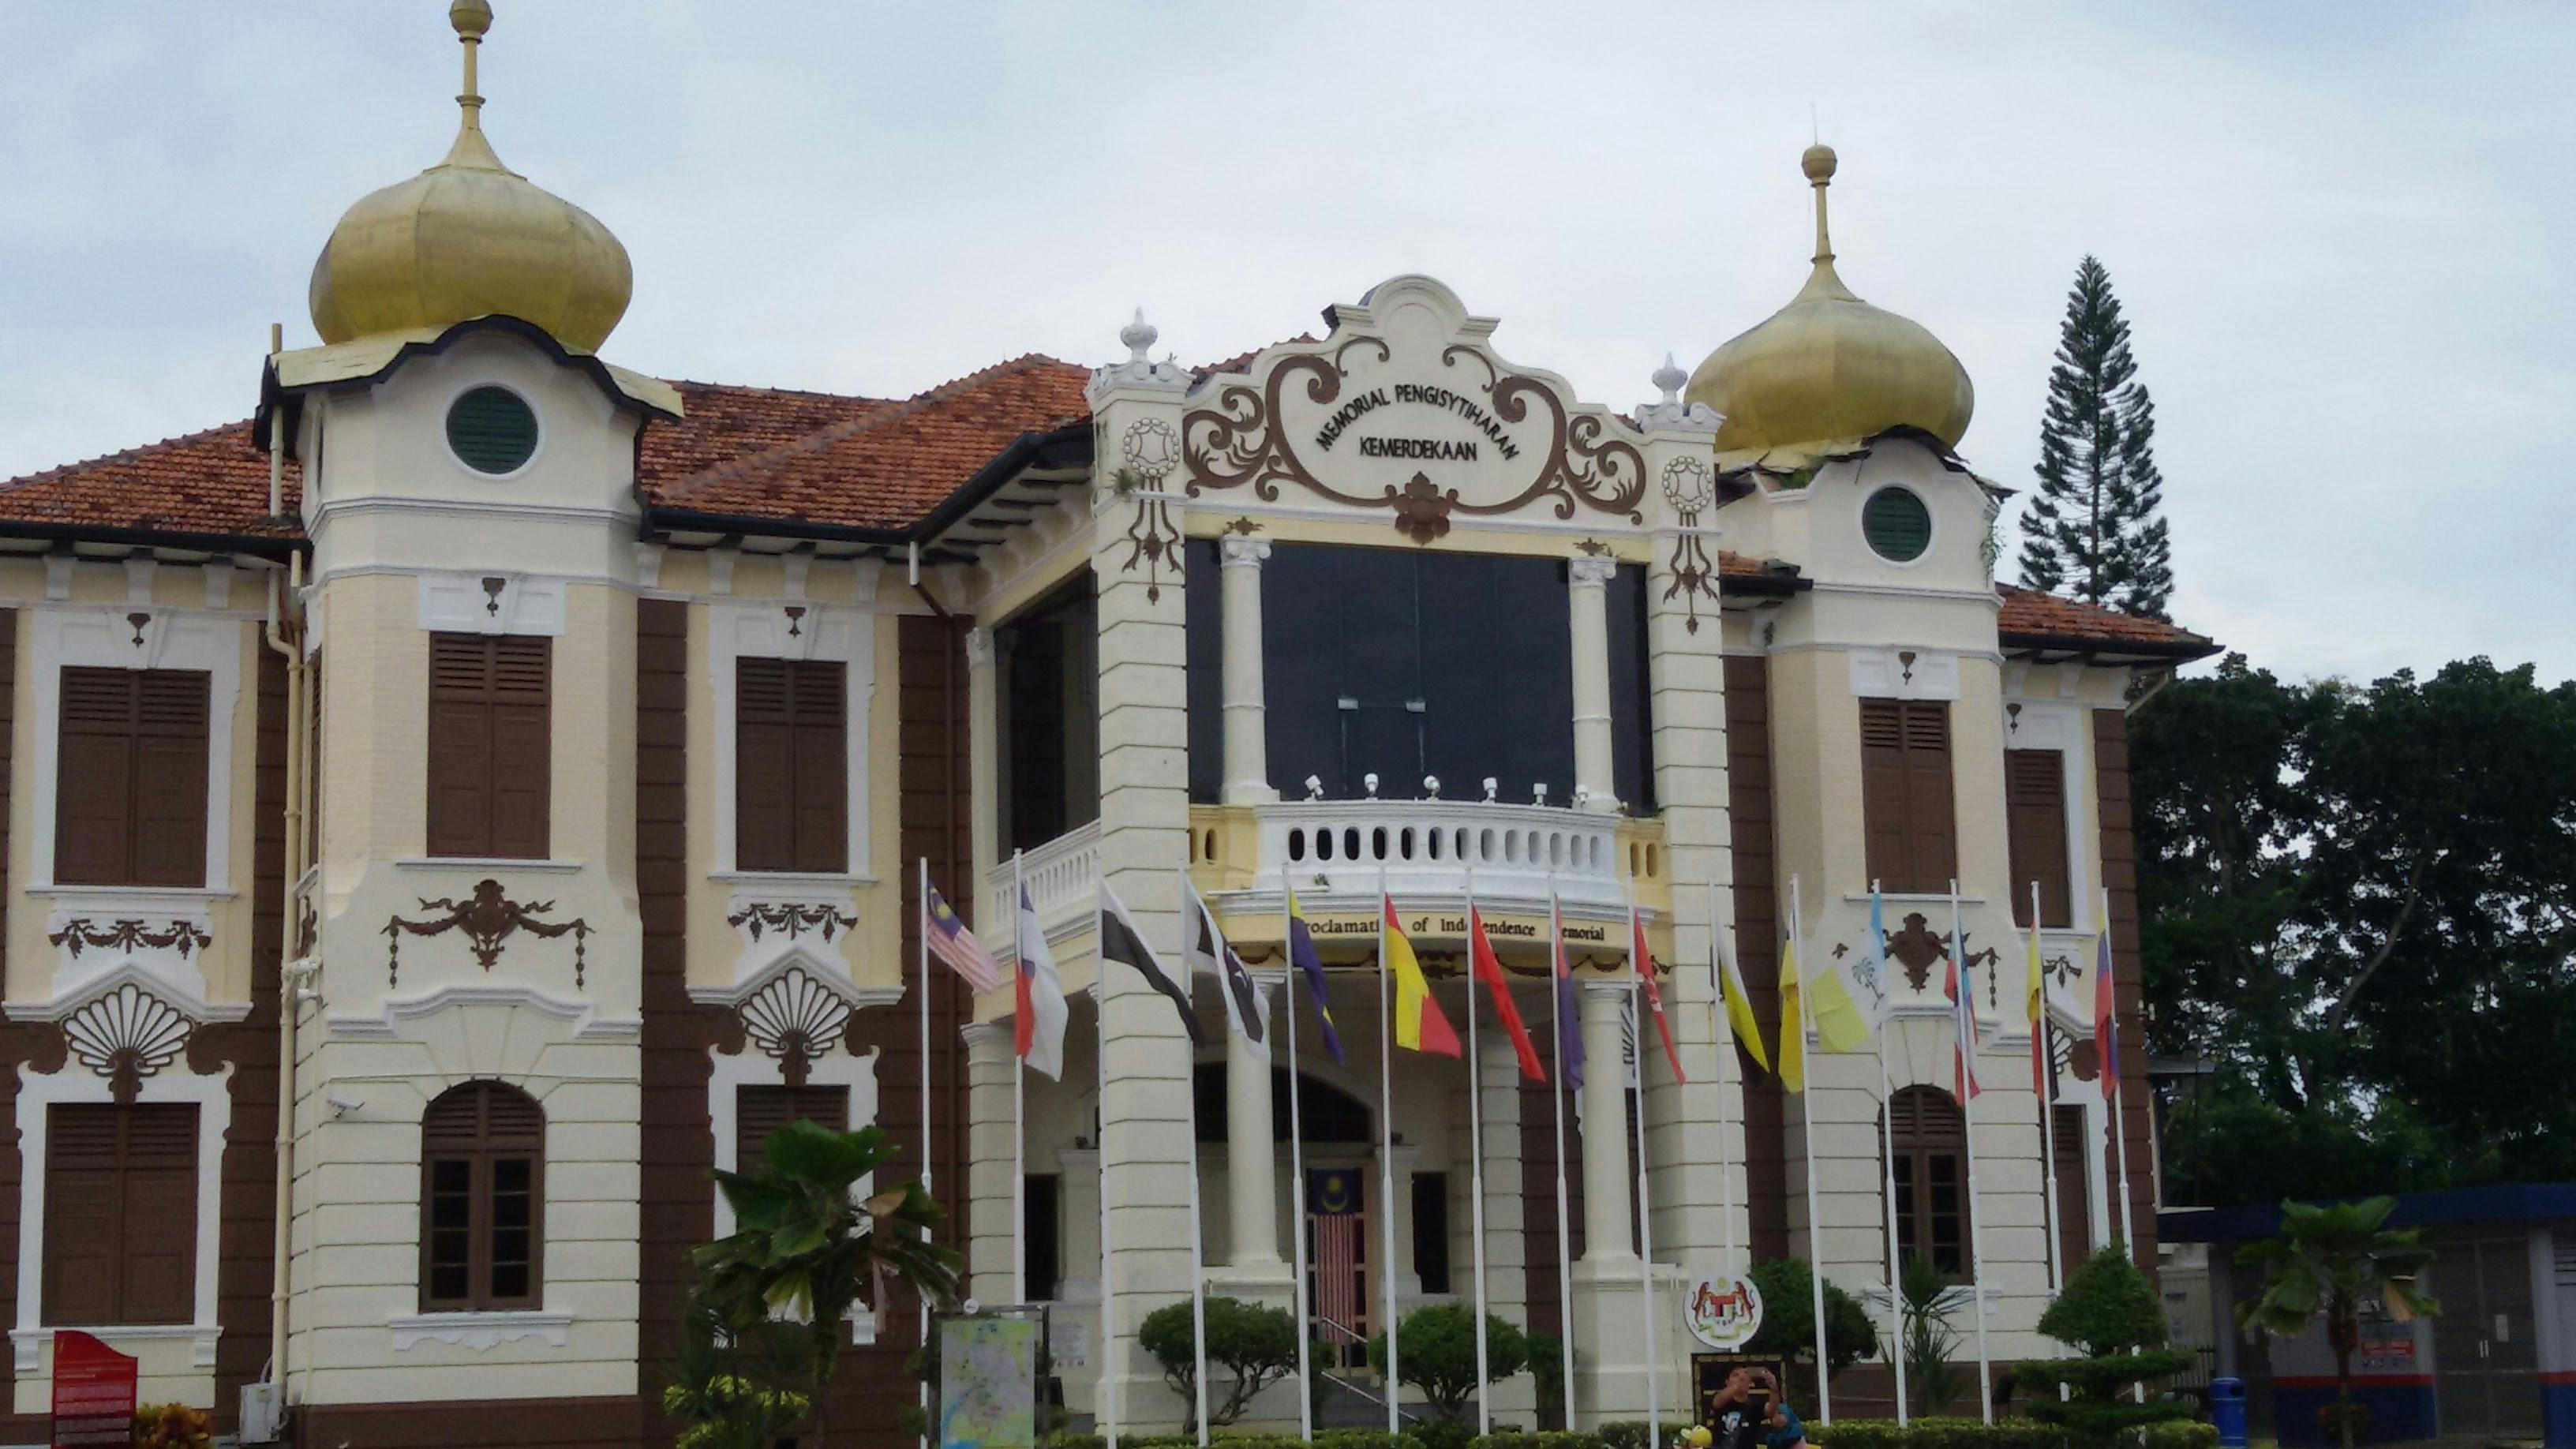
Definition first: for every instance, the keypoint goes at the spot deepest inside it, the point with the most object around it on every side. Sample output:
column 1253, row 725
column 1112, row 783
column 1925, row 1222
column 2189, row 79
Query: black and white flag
column 1247, row 1008
column 1120, row 941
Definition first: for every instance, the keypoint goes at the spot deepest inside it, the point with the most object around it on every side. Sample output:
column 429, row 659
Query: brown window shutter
column 759, row 1111
column 120, row 1213
column 2035, row 811
column 1931, row 818
column 1883, row 790
column 2074, row 1210
column 490, row 745
column 791, row 777
column 482, row 1199
column 130, row 799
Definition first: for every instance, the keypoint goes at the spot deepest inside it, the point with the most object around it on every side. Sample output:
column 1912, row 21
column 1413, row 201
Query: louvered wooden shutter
column 120, row 1213
column 791, row 774
column 2074, row 1207
column 130, row 802
column 1906, row 804
column 490, row 745
column 759, row 1111
column 482, row 1199
column 2035, row 813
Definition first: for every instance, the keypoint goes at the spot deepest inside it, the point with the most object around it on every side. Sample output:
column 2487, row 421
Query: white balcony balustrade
column 1432, row 848
column 1059, row 876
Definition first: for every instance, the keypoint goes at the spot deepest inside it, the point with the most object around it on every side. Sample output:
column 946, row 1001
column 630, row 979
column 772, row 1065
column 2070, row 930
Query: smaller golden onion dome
column 1829, row 366
column 470, row 238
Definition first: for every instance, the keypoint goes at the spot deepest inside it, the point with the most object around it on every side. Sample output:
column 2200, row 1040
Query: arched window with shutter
column 1931, row 1165
column 482, row 1199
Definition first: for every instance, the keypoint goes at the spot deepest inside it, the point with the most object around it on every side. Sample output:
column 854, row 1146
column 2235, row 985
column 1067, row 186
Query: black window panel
column 1205, row 612
column 1632, row 717
column 1403, row 663
column 1431, row 1230
column 1043, row 1201
column 1049, row 676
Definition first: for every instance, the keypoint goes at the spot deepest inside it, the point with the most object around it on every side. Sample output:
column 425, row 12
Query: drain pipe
column 285, row 637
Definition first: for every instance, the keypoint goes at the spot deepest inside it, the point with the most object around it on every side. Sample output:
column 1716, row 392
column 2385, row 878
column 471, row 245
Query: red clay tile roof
column 724, row 422
column 210, row 483
column 2031, row 617
column 888, row 467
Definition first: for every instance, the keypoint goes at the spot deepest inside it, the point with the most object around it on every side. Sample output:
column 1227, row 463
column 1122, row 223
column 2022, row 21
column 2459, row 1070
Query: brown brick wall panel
column 2120, row 878
column 1757, row 945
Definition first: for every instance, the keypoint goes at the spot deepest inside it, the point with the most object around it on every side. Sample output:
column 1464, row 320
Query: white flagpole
column 1963, row 1019
column 1386, row 1149
column 1108, row 1392
column 922, row 896
column 1198, row 1249
column 2047, row 1116
column 1887, row 1154
column 1556, row 1093
column 1807, row 1122
column 2120, row 1108
column 1476, row 1165
column 1724, row 1040
column 1019, row 1114
column 1645, row 1197
column 1296, row 1170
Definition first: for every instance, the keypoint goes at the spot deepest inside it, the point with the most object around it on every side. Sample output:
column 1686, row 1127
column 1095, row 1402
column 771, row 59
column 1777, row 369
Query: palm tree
column 803, row 1243
column 2328, row 1262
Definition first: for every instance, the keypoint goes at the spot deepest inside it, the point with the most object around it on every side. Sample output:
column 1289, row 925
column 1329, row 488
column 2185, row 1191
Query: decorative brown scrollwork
column 1915, row 947
column 185, row 936
column 488, row 918
column 125, row 1036
column 790, row 919
column 1689, row 489
column 1237, row 441
column 1147, row 454
column 793, row 1020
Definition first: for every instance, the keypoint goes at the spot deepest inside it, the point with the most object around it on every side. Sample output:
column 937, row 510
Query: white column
column 983, row 775
column 1251, row 1174
column 1587, row 582
column 988, row 1160
column 1607, row 1208
column 1247, row 746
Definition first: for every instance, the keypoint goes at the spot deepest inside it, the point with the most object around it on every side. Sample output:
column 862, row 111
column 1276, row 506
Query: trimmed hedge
column 1324, row 1439
column 1556, row 1439
column 1935, row 1432
column 2179, row 1434
column 1626, row 1434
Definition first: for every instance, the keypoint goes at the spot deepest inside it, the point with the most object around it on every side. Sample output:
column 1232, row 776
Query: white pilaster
column 992, row 1241
column 1608, row 1210
column 983, row 774
column 1587, row 585
column 1247, row 746
column 1251, row 1168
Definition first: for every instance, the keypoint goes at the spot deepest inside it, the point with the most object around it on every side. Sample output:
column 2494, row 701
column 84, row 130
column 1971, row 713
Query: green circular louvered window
column 1897, row 525
column 492, row 430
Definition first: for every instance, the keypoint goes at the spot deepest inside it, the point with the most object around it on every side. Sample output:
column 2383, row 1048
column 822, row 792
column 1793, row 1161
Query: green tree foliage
column 1547, row 1370
column 2109, row 1312
column 803, row 1245
column 2096, row 528
column 2329, row 1263
column 1789, row 1326
column 1254, row 1343
column 1436, row 1353
column 2361, row 910
column 1929, row 1340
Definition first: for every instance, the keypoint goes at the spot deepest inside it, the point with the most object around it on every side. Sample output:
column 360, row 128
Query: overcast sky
column 2340, row 231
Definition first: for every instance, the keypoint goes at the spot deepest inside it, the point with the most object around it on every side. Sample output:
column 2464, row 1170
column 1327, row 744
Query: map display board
column 988, row 1382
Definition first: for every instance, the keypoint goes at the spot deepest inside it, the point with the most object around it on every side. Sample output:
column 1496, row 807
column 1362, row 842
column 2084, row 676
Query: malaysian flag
column 951, row 942
column 1333, row 1197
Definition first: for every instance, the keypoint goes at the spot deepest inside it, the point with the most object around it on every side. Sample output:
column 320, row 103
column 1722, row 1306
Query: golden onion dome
column 1829, row 366
column 466, row 238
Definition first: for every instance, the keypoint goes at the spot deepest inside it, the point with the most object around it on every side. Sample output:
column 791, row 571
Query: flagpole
column 1108, row 1393
column 1198, row 1249
column 1019, row 1112
column 1887, row 1154
column 2047, row 1088
column 1963, row 1020
column 1645, row 1199
column 1296, row 1167
column 2116, row 1094
column 1386, row 1159
column 922, row 897
column 1722, row 1039
column 1807, row 1121
column 1556, row 1094
column 1476, row 1161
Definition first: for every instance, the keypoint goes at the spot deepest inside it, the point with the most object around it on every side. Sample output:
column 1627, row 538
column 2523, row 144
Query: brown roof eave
column 2113, row 651
column 276, row 546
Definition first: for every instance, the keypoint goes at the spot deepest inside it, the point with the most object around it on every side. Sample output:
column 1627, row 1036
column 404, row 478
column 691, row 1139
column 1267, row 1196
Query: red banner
column 93, row 1392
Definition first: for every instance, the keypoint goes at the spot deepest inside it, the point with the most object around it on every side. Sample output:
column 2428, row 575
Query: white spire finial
column 1671, row 379
column 1138, row 336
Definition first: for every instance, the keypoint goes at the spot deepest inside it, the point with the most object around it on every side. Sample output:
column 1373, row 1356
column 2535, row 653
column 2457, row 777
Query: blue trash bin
column 2227, row 1411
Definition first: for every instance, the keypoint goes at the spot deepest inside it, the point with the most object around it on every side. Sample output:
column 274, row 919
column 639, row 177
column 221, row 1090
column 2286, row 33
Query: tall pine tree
column 2096, row 527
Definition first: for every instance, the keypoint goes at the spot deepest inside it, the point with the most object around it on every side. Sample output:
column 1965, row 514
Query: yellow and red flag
column 1419, row 1024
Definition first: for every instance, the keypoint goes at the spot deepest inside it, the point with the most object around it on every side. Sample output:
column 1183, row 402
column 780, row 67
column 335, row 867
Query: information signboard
column 93, row 1392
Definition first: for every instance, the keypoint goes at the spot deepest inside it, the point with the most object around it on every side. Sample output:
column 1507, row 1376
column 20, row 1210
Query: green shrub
column 2109, row 1310
column 1436, row 1353
column 1449, row 1433
column 1548, row 1439
column 2177, row 1434
column 1547, row 1367
column 1623, row 1434
column 1936, row 1432
column 1254, row 1342
column 1789, row 1330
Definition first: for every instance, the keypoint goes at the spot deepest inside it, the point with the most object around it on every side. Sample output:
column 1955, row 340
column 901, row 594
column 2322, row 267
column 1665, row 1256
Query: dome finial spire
column 1818, row 163
column 472, row 19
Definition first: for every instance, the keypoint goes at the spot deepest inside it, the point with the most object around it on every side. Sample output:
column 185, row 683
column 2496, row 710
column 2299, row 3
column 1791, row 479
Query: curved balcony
column 1430, row 848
